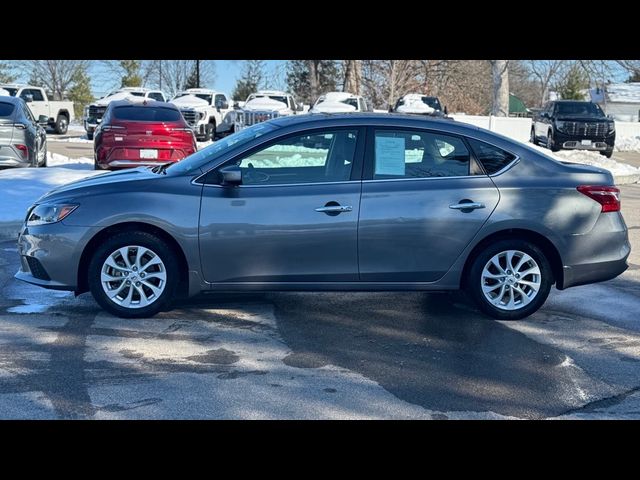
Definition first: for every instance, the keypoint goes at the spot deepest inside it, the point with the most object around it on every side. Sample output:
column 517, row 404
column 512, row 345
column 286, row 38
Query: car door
column 424, row 198
column 293, row 219
column 34, row 134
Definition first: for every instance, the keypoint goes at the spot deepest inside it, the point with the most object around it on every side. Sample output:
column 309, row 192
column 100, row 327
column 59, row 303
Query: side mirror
column 221, row 105
column 28, row 98
column 43, row 120
column 230, row 175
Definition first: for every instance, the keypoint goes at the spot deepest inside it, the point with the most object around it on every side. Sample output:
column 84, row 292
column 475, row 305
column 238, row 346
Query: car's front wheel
column 510, row 279
column 133, row 275
column 62, row 124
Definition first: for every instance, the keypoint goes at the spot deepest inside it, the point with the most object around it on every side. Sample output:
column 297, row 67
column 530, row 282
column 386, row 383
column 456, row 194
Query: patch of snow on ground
column 20, row 187
column 586, row 157
column 81, row 139
column 627, row 144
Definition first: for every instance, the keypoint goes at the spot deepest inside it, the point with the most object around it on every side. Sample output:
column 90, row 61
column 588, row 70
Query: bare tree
column 173, row 75
column 547, row 73
column 56, row 76
column 500, row 76
column 384, row 81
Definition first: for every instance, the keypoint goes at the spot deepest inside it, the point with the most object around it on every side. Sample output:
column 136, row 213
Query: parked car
column 418, row 104
column 339, row 102
column 59, row 114
column 139, row 133
column 94, row 112
column 206, row 111
column 340, row 202
column 572, row 124
column 265, row 105
column 23, row 141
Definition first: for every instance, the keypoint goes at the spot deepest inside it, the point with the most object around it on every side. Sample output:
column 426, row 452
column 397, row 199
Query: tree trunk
column 352, row 76
column 314, row 79
column 500, row 74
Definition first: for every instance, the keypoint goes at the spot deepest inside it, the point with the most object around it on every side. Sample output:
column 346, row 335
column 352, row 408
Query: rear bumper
column 9, row 157
column 598, row 255
column 133, row 163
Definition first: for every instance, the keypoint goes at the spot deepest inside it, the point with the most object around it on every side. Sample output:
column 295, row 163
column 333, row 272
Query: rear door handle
column 466, row 206
column 335, row 209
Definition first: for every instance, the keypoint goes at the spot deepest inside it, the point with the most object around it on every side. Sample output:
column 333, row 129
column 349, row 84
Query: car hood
column 103, row 102
column 119, row 180
column 265, row 103
column 189, row 101
column 332, row 107
column 582, row 118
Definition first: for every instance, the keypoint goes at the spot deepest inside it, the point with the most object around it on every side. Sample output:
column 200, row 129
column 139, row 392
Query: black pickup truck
column 573, row 124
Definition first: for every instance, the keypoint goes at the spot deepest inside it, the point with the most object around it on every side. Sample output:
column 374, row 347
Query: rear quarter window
column 6, row 109
column 146, row 114
column 492, row 158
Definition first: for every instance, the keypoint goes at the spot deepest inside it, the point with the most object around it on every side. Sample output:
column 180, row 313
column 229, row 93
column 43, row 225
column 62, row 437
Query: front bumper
column 55, row 251
column 589, row 142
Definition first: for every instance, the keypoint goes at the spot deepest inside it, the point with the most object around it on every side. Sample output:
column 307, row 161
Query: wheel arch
column 548, row 248
column 90, row 247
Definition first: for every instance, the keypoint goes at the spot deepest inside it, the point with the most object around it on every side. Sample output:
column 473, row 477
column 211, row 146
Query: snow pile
column 413, row 104
column 81, row 139
column 4, row 92
column 330, row 106
column 20, row 187
column 119, row 96
column 265, row 104
column 627, row 144
column 189, row 101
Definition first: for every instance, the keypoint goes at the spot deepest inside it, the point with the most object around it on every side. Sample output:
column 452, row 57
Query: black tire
column 607, row 153
column 532, row 137
column 62, row 124
column 143, row 239
column 89, row 135
column 474, row 282
column 551, row 145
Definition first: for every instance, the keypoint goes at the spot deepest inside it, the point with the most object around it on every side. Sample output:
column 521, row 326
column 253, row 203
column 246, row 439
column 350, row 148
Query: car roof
column 9, row 99
column 364, row 118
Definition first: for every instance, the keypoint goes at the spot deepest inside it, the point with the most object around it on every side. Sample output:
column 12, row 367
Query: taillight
column 110, row 128
column 608, row 197
column 23, row 149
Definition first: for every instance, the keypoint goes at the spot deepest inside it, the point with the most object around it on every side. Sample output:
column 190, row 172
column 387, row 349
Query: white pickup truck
column 339, row 102
column 265, row 105
column 93, row 113
column 59, row 113
column 206, row 111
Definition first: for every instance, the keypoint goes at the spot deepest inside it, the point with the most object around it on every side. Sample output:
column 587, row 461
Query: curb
column 9, row 231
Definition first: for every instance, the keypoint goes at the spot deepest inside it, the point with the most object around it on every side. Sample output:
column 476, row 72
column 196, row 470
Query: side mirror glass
column 43, row 120
column 28, row 98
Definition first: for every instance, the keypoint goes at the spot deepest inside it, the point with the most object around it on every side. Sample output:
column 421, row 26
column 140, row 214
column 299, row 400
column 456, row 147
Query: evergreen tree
column 80, row 91
column 192, row 79
column 308, row 79
column 131, row 73
column 574, row 83
column 251, row 79
column 6, row 75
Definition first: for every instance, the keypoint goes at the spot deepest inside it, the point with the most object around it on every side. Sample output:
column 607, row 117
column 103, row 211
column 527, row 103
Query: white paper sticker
column 389, row 156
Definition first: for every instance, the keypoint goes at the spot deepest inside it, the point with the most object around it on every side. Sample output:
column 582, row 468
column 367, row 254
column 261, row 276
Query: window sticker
column 389, row 156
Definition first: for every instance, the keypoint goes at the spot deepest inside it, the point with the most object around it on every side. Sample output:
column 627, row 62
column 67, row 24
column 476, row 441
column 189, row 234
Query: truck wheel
column 607, row 153
column 62, row 124
column 89, row 135
column 212, row 130
column 551, row 145
column 532, row 138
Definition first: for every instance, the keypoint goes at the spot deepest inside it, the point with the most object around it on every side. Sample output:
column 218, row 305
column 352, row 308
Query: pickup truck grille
column 96, row 113
column 585, row 129
column 246, row 119
column 190, row 116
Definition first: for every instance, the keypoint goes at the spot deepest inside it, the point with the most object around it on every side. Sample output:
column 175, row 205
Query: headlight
column 49, row 213
column 560, row 125
column 612, row 127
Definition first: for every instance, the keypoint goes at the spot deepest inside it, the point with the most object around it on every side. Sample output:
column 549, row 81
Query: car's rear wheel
column 133, row 275
column 510, row 279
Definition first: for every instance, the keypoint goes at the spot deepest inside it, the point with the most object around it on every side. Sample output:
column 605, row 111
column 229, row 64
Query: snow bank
column 20, row 187
column 82, row 139
column 627, row 144
column 4, row 92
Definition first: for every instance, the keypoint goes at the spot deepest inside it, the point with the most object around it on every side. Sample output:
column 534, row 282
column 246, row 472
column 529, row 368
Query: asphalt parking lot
column 329, row 355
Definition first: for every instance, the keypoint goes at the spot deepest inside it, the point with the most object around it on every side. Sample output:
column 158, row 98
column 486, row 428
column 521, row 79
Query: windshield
column 351, row 101
column 578, row 108
column 204, row 96
column 432, row 102
column 137, row 94
column 12, row 91
column 207, row 154
column 277, row 98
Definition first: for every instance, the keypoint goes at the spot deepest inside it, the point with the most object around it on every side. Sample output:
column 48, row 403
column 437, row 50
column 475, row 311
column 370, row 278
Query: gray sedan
column 333, row 202
column 23, row 142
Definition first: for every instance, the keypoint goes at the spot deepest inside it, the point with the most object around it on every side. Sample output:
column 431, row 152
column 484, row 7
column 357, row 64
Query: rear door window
column 6, row 109
column 146, row 114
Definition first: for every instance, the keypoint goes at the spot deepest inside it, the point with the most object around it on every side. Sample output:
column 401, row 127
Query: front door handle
column 466, row 206
column 334, row 209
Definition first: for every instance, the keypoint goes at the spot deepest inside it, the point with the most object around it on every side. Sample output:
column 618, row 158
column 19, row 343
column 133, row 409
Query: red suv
column 134, row 134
